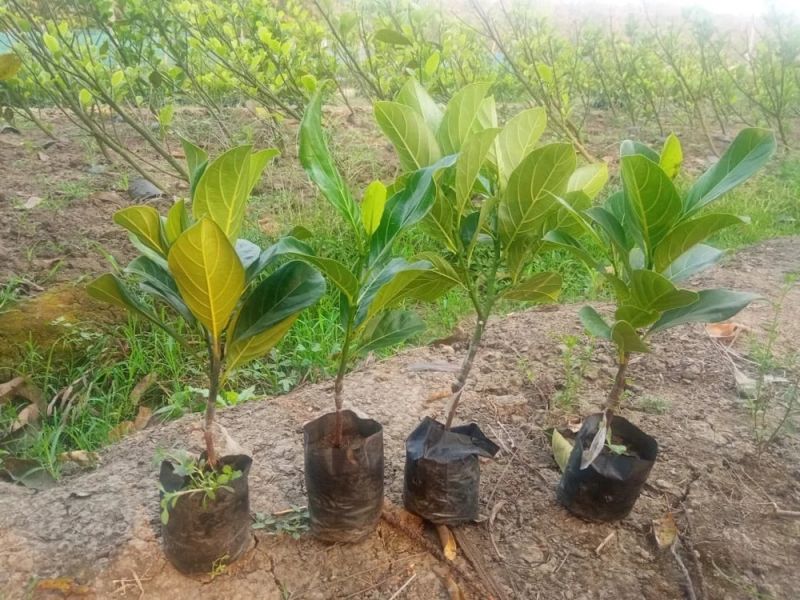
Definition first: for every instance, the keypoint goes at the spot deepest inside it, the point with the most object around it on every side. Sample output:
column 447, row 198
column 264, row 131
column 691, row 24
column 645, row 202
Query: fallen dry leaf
column 81, row 457
column 665, row 531
column 20, row 387
column 65, row 585
column 120, row 431
column 32, row 202
column 453, row 590
column 144, row 384
column 27, row 416
column 43, row 157
column 725, row 333
column 448, row 541
column 142, row 418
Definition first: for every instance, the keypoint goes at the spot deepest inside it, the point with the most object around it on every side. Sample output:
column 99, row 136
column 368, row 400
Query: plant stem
column 338, row 386
column 619, row 385
column 466, row 367
column 215, row 364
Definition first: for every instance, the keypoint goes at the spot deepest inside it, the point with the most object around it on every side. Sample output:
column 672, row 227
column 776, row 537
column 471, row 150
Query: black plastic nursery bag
column 607, row 489
column 442, row 474
column 202, row 533
column 345, row 484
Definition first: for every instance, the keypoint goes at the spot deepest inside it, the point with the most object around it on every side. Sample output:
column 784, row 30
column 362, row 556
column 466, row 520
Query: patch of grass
column 653, row 405
column 575, row 356
column 68, row 192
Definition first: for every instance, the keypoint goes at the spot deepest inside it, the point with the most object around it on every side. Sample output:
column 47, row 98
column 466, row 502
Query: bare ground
column 99, row 531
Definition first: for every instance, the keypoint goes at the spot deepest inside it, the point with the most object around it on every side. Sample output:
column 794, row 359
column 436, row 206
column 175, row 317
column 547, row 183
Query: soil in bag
column 202, row 533
column 345, row 483
column 607, row 489
column 443, row 474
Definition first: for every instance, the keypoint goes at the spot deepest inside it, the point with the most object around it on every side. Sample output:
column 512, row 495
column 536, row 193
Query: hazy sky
column 729, row 7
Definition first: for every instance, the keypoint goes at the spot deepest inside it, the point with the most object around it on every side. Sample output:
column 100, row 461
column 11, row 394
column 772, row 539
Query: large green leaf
column 290, row 289
column 632, row 148
column 145, row 223
column 532, row 188
column 318, row 162
column 517, row 139
column 564, row 241
column 594, row 323
column 196, row 161
column 626, row 339
column 539, row 288
column 158, row 282
column 636, row 315
column 712, row 306
column 653, row 202
column 389, row 329
column 110, row 289
column 432, row 283
column 751, row 149
column 391, row 37
column 386, row 286
column 414, row 95
column 688, row 234
column 240, row 352
column 258, row 162
column 671, row 157
column 407, row 207
column 177, row 221
column 415, row 143
column 208, row 273
column 469, row 163
column 588, row 179
column 693, row 261
column 460, row 116
column 654, row 292
column 609, row 224
column 223, row 190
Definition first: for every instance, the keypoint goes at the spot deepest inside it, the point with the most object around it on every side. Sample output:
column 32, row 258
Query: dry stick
column 694, row 554
column 605, row 542
column 685, row 571
column 474, row 557
column 402, row 587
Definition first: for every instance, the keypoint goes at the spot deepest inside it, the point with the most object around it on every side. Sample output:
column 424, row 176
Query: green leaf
column 391, row 37
column 177, row 221
column 240, row 352
column 386, row 286
column 626, row 339
column 247, row 251
column 532, row 186
column 85, row 98
column 10, row 65
column 223, row 190
column 539, row 288
column 209, row 274
column 653, row 202
column 517, row 139
column 588, row 179
column 459, row 116
column 750, row 151
column 469, row 163
column 594, row 323
column 487, row 115
column 712, row 306
column 609, row 224
column 564, row 241
column 631, row 148
column 372, row 206
column 390, row 329
column 290, row 289
column 258, row 162
column 414, row 95
column 415, row 143
column 693, row 261
column 430, row 284
column 196, row 160
column 318, row 162
column 145, row 223
column 108, row 288
column 671, row 156
column 636, row 315
column 158, row 282
column 688, row 234
column 407, row 207
column 654, row 292
column 51, row 42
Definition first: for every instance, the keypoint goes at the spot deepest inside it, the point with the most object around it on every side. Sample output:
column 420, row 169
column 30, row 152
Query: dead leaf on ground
column 64, row 585
column 120, row 431
column 665, row 531
column 453, row 589
column 32, row 202
column 27, row 416
column 80, row 457
column 725, row 333
column 27, row 472
column 42, row 156
column 142, row 418
column 448, row 541
column 21, row 387
column 139, row 390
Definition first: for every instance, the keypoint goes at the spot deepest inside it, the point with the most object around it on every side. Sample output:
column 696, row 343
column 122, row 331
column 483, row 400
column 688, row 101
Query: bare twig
column 684, row 571
column 605, row 542
column 402, row 587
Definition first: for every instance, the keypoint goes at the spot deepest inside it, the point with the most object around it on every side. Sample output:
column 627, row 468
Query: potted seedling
column 491, row 210
column 343, row 451
column 651, row 238
column 194, row 263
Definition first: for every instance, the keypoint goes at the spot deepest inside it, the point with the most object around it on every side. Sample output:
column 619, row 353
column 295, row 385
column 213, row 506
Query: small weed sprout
column 575, row 359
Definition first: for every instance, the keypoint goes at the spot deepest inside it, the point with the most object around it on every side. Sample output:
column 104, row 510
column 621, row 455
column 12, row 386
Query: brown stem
column 619, row 385
column 215, row 365
column 466, row 367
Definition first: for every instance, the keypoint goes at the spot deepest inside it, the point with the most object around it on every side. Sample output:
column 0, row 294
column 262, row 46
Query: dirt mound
column 100, row 530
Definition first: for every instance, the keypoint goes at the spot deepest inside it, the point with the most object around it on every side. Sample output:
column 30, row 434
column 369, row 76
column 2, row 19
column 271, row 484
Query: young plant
column 378, row 279
column 651, row 238
column 195, row 264
column 495, row 203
